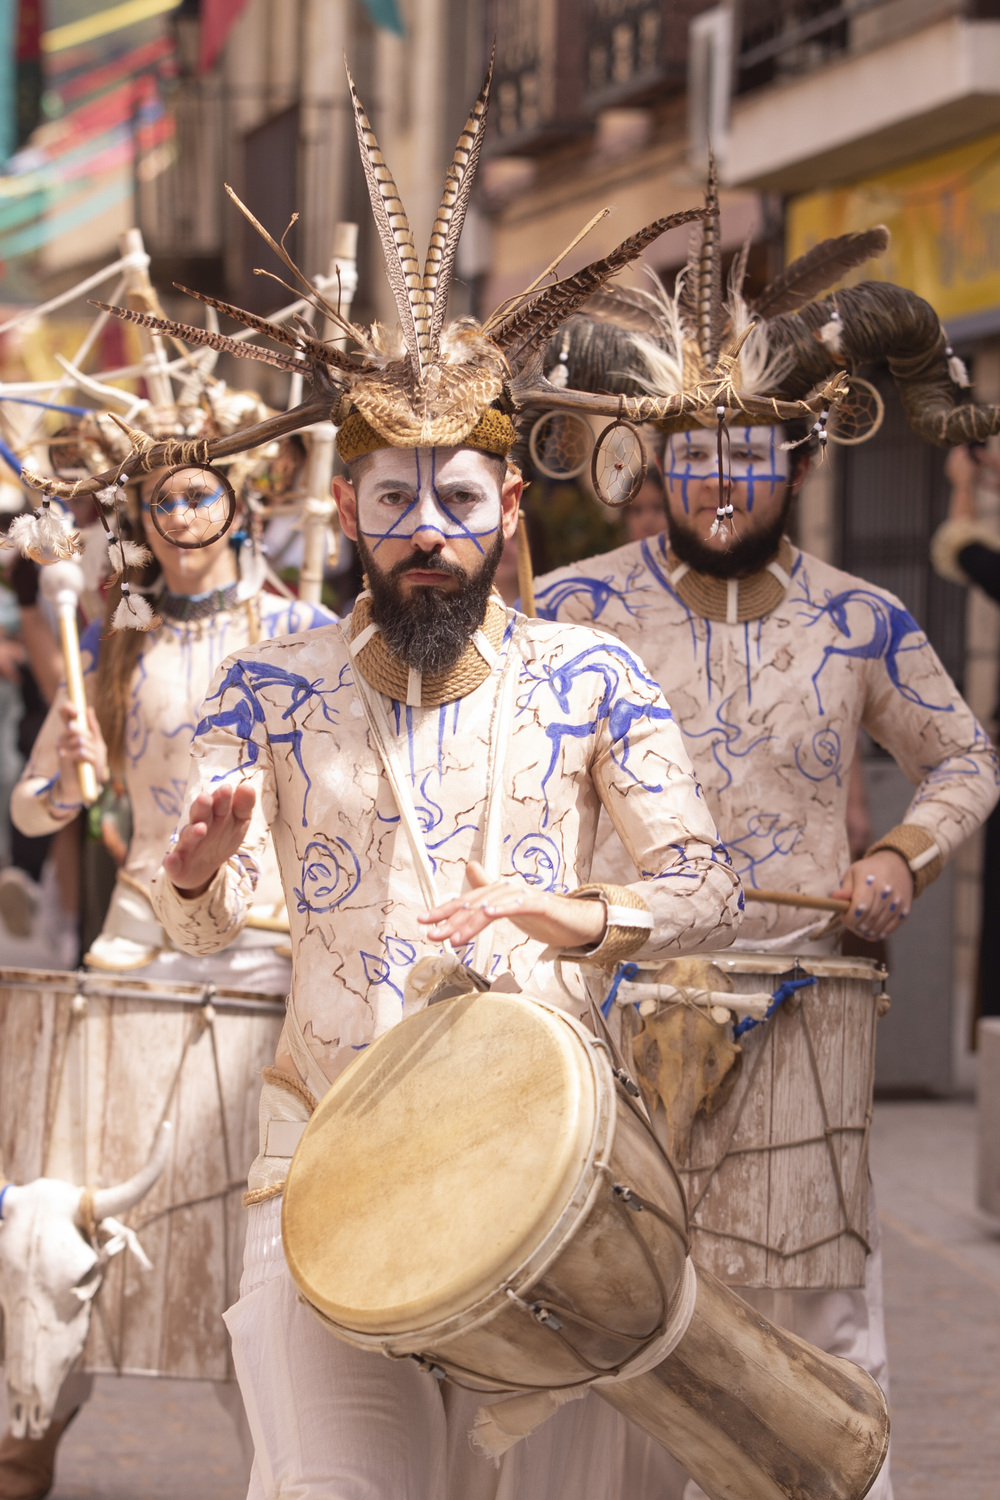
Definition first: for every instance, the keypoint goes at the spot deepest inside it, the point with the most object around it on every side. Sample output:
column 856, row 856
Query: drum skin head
column 438, row 1162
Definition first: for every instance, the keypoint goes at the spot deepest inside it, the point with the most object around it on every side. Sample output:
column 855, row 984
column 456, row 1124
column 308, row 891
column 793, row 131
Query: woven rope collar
column 387, row 674
column 733, row 600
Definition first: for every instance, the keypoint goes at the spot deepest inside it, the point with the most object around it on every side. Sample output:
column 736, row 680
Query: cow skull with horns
column 55, row 1241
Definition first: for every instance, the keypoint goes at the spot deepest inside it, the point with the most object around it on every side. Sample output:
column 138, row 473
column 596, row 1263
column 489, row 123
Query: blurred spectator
column 30, row 673
column 646, row 516
column 966, row 550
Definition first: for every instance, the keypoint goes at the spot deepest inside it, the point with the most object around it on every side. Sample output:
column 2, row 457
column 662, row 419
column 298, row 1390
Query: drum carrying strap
column 502, row 1424
column 501, row 728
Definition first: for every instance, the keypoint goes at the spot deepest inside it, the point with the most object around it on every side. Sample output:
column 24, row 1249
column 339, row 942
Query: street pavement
column 172, row 1440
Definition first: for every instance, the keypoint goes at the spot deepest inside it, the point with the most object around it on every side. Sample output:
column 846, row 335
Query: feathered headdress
column 697, row 358
column 423, row 383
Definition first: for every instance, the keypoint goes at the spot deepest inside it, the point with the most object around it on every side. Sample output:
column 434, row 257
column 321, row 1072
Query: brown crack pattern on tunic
column 590, row 729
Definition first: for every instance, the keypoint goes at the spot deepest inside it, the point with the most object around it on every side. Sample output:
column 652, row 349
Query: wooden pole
column 525, row 575
column 141, row 297
column 320, row 512
column 63, row 583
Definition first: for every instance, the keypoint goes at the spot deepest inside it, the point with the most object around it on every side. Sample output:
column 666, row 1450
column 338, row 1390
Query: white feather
column 45, row 535
column 759, row 370
column 127, row 554
column 830, row 335
column 657, row 370
column 133, row 613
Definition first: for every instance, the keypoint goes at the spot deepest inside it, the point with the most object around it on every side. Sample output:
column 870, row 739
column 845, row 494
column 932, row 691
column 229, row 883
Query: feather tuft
column 45, row 535
column 818, row 269
column 124, row 554
column 133, row 613
column 831, row 335
column 957, row 372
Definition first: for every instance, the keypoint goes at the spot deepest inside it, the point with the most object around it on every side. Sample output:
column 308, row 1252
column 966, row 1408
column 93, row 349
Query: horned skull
column 50, row 1273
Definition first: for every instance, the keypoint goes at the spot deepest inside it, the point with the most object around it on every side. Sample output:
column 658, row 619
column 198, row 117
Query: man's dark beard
column 747, row 553
column 429, row 628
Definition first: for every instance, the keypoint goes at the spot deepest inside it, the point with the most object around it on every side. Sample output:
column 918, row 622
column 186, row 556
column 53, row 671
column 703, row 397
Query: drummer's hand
column 880, row 890
column 216, row 827
column 78, row 742
column 558, row 921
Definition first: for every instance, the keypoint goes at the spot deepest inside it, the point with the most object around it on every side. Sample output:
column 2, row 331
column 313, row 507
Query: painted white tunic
column 589, row 727
column 169, row 683
column 770, row 711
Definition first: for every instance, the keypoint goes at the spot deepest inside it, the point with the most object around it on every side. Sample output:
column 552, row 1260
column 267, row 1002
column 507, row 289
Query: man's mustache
column 427, row 562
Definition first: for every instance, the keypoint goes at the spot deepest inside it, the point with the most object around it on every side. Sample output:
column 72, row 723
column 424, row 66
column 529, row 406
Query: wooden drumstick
column 792, row 898
column 62, row 583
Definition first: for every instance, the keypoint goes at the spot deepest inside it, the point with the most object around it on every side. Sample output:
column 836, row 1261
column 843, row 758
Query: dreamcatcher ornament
column 618, row 464
column 560, row 444
column 193, row 507
column 858, row 415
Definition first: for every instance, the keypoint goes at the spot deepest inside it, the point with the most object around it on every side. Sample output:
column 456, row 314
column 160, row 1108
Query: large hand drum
column 479, row 1191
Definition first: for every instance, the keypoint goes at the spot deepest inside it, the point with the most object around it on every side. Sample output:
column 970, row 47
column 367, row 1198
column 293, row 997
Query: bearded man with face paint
column 772, row 661
column 285, row 744
column 430, row 772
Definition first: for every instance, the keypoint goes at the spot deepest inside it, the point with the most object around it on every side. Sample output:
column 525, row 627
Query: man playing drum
column 145, row 688
column 431, row 772
column 773, row 660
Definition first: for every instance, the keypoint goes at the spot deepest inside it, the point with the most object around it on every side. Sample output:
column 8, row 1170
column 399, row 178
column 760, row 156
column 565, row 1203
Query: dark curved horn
column 877, row 321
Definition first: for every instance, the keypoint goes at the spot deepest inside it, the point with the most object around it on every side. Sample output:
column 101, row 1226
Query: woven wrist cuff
column 629, row 922
column 917, row 847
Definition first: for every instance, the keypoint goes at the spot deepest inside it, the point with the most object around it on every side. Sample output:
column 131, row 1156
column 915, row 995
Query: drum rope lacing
column 849, row 1227
column 203, row 1020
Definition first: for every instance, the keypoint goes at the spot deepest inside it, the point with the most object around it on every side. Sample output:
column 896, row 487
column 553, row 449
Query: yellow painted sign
column 943, row 214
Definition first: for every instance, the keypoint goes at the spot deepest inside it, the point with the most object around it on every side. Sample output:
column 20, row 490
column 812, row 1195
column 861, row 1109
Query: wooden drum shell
column 777, row 1178
column 84, row 1084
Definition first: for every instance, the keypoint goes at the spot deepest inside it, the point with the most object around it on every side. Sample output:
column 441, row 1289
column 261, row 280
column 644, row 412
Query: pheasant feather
column 398, row 248
column 204, row 336
column 708, row 280
column 447, row 228
column 818, row 269
column 303, row 341
column 534, row 323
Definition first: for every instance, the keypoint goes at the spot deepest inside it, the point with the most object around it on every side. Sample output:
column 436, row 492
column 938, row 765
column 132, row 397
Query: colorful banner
column 113, row 18
column 943, row 214
column 8, row 78
column 29, row 68
column 385, row 14
column 217, row 20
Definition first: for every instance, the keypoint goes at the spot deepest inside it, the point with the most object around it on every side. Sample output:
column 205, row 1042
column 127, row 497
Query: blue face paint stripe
column 460, row 531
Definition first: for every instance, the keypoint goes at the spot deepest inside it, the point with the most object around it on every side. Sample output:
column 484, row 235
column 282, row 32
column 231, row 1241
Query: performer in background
column 431, row 772
column 771, row 659
column 966, row 550
column 145, row 689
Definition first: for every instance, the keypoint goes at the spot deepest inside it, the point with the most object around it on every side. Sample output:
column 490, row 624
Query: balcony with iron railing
column 824, row 91
column 560, row 63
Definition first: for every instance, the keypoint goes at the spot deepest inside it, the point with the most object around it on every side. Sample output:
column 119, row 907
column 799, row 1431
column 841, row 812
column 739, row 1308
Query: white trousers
column 345, row 1424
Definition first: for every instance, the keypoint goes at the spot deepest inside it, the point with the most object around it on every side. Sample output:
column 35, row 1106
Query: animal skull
column 49, row 1276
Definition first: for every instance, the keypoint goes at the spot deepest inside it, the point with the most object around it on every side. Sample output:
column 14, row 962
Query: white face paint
column 443, row 493
column 752, row 456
